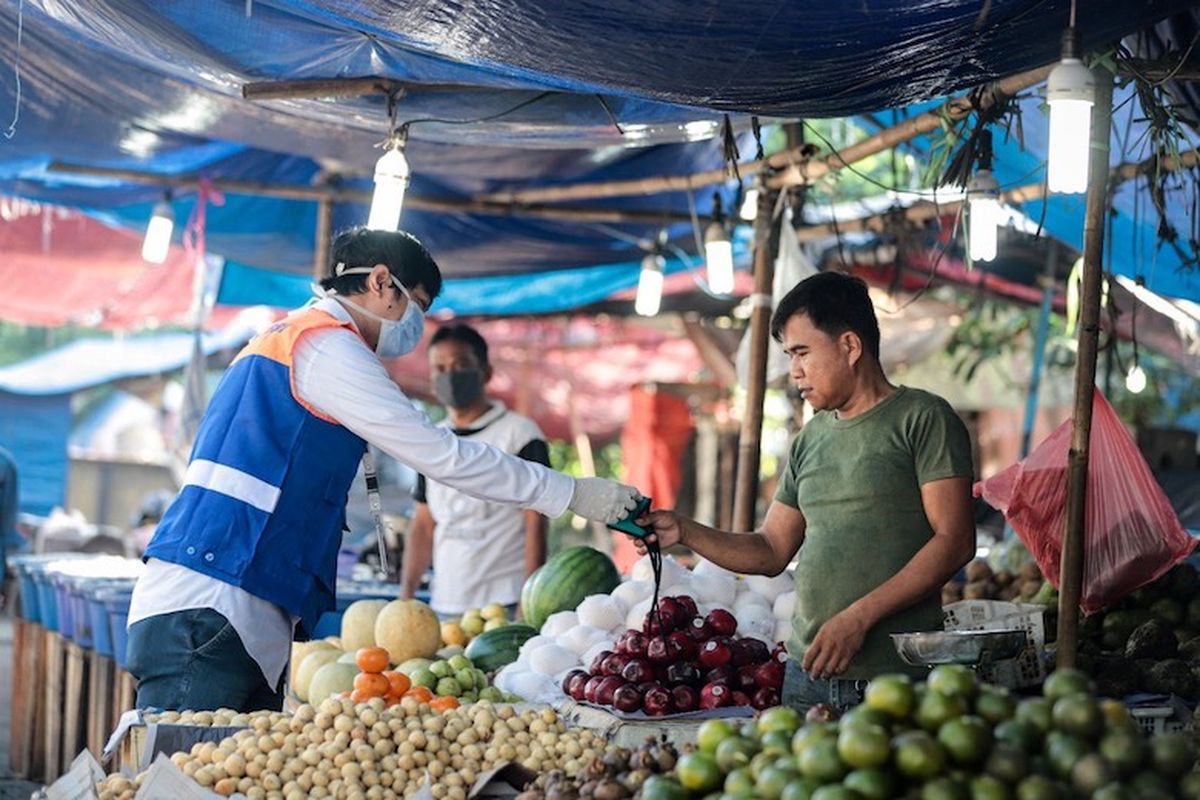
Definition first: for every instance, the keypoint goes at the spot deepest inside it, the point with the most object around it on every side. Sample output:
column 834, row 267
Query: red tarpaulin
column 653, row 443
column 64, row 268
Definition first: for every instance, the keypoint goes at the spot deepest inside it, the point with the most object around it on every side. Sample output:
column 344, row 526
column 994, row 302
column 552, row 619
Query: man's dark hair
column 836, row 303
column 465, row 334
column 400, row 252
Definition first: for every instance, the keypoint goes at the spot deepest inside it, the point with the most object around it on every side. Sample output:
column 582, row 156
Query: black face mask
column 459, row 388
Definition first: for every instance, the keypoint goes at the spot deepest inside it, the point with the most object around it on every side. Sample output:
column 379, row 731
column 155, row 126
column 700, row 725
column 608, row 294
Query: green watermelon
column 563, row 581
column 497, row 648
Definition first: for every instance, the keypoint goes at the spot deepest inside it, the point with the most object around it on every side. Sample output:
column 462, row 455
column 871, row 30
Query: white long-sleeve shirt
column 335, row 372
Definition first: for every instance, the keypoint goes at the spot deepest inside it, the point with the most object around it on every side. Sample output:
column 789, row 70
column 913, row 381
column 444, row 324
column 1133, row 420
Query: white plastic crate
column 996, row 615
column 1173, row 715
column 1028, row 668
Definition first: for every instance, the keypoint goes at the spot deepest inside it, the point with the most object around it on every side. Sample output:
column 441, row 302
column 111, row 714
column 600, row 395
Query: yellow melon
column 408, row 629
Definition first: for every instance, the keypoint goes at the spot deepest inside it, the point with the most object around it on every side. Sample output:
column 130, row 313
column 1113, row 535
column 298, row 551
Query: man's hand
column 603, row 500
column 668, row 529
column 838, row 641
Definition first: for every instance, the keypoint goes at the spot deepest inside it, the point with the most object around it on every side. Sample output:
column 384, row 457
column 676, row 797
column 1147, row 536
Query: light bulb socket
column 983, row 185
column 1070, row 43
column 163, row 210
column 716, row 232
column 653, row 262
column 1070, row 79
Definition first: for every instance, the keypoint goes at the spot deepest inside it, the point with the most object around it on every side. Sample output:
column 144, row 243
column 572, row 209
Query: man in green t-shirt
column 874, row 505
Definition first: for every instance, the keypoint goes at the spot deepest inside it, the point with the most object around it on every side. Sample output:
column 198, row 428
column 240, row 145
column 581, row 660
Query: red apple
column 725, row 674
column 574, row 683
column 700, row 629
column 684, row 698
column 683, row 672
column 769, row 675
column 646, row 686
column 637, row 670
column 658, row 622
column 681, row 646
column 715, row 695
column 608, row 686
column 670, row 607
column 632, row 643
column 657, row 701
column 765, row 698
column 745, row 678
column 721, row 622
column 688, row 603
column 740, row 698
column 597, row 666
column 749, row 651
column 657, row 651
column 627, row 698
column 589, row 688
column 714, row 653
column 614, row 664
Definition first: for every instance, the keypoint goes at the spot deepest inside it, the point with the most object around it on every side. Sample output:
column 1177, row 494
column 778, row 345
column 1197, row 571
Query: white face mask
column 397, row 337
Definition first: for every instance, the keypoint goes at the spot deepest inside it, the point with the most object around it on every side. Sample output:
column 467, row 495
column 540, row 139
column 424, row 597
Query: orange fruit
column 420, row 694
column 391, row 699
column 443, row 703
column 359, row 696
column 371, row 683
column 399, row 682
column 372, row 659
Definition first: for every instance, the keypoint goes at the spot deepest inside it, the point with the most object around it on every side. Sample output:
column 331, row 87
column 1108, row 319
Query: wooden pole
column 1071, row 569
column 323, row 235
column 363, row 196
column 766, row 248
column 793, row 163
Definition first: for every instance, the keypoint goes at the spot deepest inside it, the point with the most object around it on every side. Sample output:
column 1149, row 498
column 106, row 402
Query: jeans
column 194, row 660
column 802, row 692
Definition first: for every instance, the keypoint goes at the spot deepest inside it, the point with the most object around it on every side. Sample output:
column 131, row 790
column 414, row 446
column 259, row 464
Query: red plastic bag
column 1131, row 534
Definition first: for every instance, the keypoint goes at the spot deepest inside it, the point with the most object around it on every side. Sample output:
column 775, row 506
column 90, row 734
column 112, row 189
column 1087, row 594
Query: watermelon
column 499, row 647
column 562, row 582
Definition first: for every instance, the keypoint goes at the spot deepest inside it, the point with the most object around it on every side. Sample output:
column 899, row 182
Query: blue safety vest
column 264, row 497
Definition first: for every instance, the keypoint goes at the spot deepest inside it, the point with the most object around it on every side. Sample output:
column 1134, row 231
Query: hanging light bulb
column 650, row 285
column 157, row 243
column 1070, row 91
column 1135, row 380
column 718, row 251
column 391, row 181
column 983, row 215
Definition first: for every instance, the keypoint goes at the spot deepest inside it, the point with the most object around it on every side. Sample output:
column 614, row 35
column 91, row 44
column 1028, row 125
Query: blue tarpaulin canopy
column 499, row 94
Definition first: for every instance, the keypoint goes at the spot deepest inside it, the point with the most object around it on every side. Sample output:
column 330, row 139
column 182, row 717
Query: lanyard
column 376, row 506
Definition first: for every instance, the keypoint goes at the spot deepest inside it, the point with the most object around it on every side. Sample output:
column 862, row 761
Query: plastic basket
column 29, row 607
column 98, row 618
column 117, row 604
column 81, row 619
column 62, row 602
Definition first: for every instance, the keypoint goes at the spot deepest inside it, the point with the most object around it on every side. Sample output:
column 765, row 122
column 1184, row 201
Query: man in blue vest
column 245, row 557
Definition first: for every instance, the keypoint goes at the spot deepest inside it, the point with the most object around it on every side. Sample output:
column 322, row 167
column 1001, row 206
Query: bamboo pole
column 363, row 196
column 766, row 248
column 322, row 239
column 1071, row 569
column 792, row 163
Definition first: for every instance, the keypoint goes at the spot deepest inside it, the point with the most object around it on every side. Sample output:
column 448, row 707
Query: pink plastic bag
column 1131, row 534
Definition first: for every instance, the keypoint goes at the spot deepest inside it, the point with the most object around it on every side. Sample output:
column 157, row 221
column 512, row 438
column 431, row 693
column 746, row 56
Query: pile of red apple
column 681, row 661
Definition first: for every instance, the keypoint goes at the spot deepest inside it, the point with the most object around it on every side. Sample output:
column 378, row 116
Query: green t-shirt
column 858, row 483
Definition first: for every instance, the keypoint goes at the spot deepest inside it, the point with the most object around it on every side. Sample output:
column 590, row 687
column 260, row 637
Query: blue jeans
column 803, row 692
column 194, row 660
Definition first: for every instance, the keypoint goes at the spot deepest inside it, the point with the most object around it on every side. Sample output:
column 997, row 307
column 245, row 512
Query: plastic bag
column 1131, row 534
